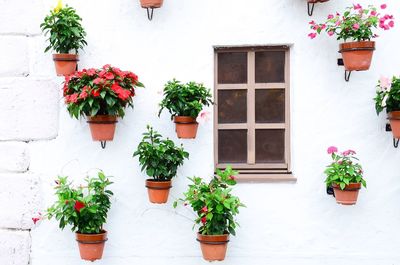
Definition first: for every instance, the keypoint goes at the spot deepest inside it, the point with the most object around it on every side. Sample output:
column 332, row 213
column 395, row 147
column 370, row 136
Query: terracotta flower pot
column 65, row 63
column 91, row 246
column 394, row 118
column 357, row 56
column 151, row 3
column 349, row 195
column 102, row 127
column 186, row 127
column 213, row 247
column 158, row 190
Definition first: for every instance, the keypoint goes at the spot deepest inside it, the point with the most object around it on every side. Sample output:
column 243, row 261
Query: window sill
column 287, row 177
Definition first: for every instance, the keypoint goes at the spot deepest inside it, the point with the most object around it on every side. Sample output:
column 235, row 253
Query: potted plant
column 216, row 209
column 85, row 209
column 67, row 36
column 185, row 102
column 345, row 176
column 388, row 97
column 160, row 159
column 355, row 24
column 101, row 95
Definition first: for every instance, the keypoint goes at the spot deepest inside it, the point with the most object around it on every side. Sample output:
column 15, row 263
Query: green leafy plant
column 356, row 23
column 65, row 29
column 104, row 91
column 83, row 208
column 185, row 99
column 159, row 158
column 344, row 169
column 387, row 95
column 213, row 203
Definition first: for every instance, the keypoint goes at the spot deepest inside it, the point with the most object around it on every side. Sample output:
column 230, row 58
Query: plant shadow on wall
column 356, row 24
column 100, row 95
column 67, row 36
column 85, row 209
column 160, row 159
column 216, row 209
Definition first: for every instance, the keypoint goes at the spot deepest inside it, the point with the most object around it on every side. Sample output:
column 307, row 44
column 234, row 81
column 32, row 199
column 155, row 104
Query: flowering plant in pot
column 160, row 159
column 85, row 209
column 388, row 97
column 344, row 175
column 67, row 36
column 216, row 209
column 185, row 103
column 101, row 95
column 355, row 24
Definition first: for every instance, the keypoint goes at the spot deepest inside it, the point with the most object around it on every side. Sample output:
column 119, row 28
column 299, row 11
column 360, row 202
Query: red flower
column 116, row 88
column 84, row 93
column 124, row 94
column 78, row 206
column 204, row 220
column 96, row 93
column 232, row 177
column 35, row 220
column 91, row 71
column 204, row 209
column 106, row 66
column 98, row 80
column 109, row 76
column 73, row 98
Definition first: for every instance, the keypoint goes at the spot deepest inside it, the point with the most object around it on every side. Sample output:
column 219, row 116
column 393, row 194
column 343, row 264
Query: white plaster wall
column 284, row 223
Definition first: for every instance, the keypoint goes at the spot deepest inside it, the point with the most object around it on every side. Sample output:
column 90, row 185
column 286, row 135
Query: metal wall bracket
column 340, row 62
column 396, row 142
column 329, row 191
column 103, row 144
column 388, row 127
column 347, row 75
column 150, row 13
column 310, row 8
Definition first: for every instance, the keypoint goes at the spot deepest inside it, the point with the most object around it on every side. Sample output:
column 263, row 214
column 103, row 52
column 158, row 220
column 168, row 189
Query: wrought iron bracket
column 347, row 75
column 329, row 191
column 310, row 8
column 396, row 142
column 103, row 144
column 150, row 13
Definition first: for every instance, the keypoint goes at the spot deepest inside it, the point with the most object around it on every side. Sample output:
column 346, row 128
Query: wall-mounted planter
column 311, row 5
column 186, row 127
column 349, row 195
column 150, row 5
column 213, row 248
column 102, row 128
column 158, row 191
column 357, row 56
column 91, row 246
column 65, row 63
column 394, row 118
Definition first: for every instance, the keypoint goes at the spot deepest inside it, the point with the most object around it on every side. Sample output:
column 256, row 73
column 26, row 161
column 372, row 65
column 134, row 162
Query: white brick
column 14, row 57
column 14, row 157
column 41, row 63
column 21, row 16
column 15, row 247
column 29, row 109
column 19, row 200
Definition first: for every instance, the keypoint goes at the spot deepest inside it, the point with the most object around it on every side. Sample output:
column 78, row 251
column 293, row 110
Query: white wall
column 284, row 223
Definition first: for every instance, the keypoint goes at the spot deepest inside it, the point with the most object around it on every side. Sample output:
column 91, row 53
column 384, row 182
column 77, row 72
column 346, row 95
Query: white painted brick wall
column 14, row 247
column 29, row 109
column 14, row 157
column 14, row 60
column 19, row 200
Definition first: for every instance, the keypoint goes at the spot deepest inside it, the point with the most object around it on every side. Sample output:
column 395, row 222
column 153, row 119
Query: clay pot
column 213, row 247
column 102, row 127
column 91, row 246
column 349, row 195
column 394, row 118
column 158, row 190
column 65, row 63
column 151, row 3
column 357, row 56
column 186, row 127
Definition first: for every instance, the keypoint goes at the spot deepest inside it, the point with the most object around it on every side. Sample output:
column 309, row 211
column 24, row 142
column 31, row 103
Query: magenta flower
column 373, row 13
column 332, row 149
column 312, row 35
column 330, row 33
column 383, row 6
column 356, row 26
column 330, row 16
column 357, row 6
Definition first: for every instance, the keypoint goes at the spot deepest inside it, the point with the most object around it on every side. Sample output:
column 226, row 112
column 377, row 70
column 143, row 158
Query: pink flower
column 330, row 33
column 312, row 22
column 383, row 6
column 357, row 6
column 37, row 218
column 204, row 209
column 332, row 149
column 385, row 82
column 312, row 35
column 348, row 152
column 232, row 177
column 203, row 117
column 109, row 76
column 373, row 13
column 330, row 16
column 356, row 26
column 391, row 24
column 204, row 220
column 98, row 80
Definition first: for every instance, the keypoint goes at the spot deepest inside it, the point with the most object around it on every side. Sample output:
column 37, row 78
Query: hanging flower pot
column 160, row 159
column 213, row 248
column 100, row 94
column 91, row 246
column 186, row 127
column 348, row 195
column 344, row 175
column 357, row 56
column 61, row 24
column 185, row 103
column 394, row 118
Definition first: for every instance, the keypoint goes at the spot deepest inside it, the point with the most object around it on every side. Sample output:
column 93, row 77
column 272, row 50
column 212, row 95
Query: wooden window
column 252, row 123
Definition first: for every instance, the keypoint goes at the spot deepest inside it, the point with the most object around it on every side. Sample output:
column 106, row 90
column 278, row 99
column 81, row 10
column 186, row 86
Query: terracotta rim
column 91, row 238
column 394, row 115
column 151, row 4
column 158, row 185
column 317, row 1
column 65, row 57
column 213, row 240
column 102, row 119
column 350, row 187
column 357, row 46
column 185, row 120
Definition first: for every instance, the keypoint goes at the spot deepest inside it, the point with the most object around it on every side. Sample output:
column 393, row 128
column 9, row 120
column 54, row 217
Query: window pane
column 270, row 67
column 270, row 146
column 232, row 146
column 270, row 105
column 232, row 68
column 232, row 106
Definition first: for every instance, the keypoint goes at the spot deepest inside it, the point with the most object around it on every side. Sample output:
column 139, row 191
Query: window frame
column 251, row 170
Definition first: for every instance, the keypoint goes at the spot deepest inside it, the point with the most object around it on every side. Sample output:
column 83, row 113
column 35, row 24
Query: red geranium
column 78, row 206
